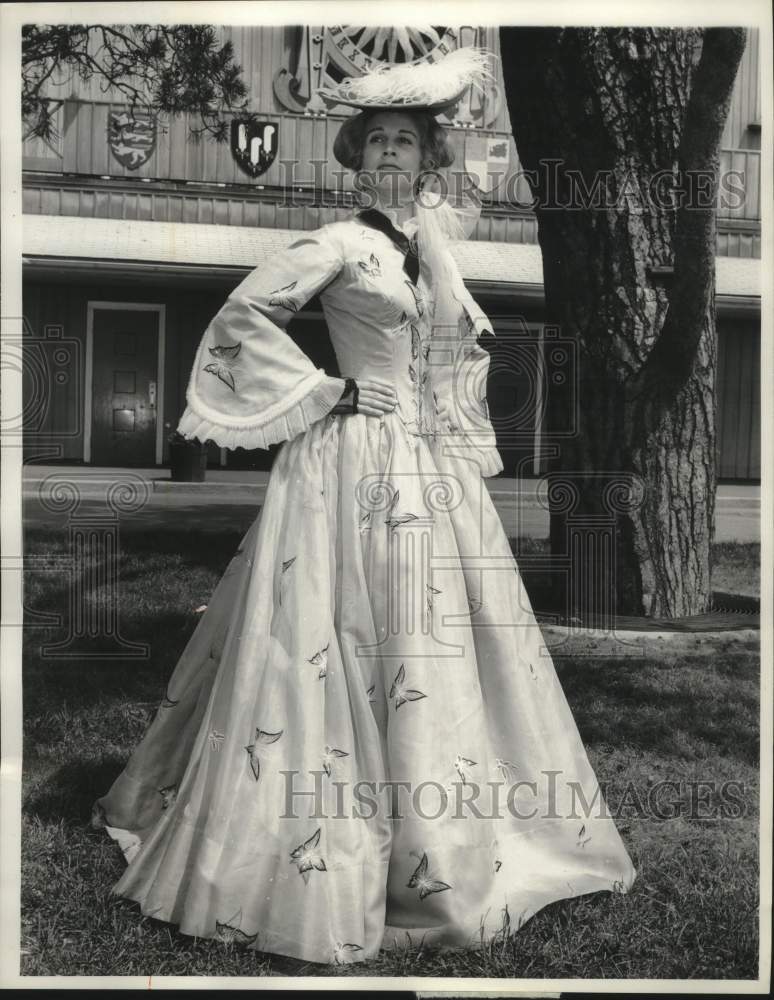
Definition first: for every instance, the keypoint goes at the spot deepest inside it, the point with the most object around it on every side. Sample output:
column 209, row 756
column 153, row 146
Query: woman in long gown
column 364, row 740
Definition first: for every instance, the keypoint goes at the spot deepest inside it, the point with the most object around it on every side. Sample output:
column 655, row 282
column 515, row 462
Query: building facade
column 134, row 234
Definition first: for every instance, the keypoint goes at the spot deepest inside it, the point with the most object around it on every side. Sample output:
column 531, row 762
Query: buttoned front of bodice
column 380, row 323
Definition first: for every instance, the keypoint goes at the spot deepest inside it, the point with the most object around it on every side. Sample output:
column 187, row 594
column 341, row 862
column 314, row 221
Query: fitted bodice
column 380, row 324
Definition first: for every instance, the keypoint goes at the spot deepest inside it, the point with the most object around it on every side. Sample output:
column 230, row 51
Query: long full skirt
column 364, row 742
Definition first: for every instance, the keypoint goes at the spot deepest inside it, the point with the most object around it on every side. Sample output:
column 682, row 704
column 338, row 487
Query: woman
column 364, row 739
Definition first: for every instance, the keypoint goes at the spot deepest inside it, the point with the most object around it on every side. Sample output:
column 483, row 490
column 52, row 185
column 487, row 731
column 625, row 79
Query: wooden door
column 125, row 387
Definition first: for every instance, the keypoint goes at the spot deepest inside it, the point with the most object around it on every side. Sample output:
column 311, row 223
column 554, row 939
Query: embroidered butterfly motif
column 229, row 933
column 224, row 359
column 372, row 267
column 422, row 881
column 395, row 522
column 281, row 299
column 341, row 952
column 285, row 567
column 474, row 605
column 307, row 857
column 505, row 767
column 168, row 796
column 329, row 755
column 416, row 342
column 417, row 298
column 582, row 838
column 216, row 739
column 460, row 763
column 320, row 659
column 400, row 692
column 262, row 738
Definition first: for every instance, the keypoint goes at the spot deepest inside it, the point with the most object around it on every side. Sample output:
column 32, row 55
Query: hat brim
column 436, row 108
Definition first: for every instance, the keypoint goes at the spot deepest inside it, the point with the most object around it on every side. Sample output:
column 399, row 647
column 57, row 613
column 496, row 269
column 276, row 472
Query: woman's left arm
column 251, row 386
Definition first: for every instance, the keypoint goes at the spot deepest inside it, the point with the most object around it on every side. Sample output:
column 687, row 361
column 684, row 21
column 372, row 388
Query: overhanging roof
column 73, row 242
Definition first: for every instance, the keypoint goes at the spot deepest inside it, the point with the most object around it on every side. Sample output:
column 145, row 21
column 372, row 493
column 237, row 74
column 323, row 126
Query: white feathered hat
column 422, row 86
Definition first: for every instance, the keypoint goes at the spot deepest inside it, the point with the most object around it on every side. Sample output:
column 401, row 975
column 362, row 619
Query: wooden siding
column 739, row 188
column 739, row 400
column 745, row 106
column 89, row 201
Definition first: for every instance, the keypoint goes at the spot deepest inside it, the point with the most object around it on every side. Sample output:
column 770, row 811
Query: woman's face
column 391, row 151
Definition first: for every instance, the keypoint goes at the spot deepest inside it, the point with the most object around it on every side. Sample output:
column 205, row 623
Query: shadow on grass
column 665, row 706
column 69, row 792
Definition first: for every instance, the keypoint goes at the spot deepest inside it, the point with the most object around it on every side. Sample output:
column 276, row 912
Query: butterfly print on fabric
column 417, row 298
column 229, row 933
column 372, row 267
column 395, row 521
column 330, row 754
column 262, row 738
column 168, row 796
column 221, row 366
column 431, row 593
column 285, row 567
column 307, row 857
column 320, row 659
column 422, row 881
column 216, row 740
column 279, row 297
column 582, row 838
column 460, row 763
column 342, row 951
column 505, row 767
column 400, row 692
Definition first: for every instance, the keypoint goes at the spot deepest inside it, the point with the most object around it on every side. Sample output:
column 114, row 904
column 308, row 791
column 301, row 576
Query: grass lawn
column 692, row 912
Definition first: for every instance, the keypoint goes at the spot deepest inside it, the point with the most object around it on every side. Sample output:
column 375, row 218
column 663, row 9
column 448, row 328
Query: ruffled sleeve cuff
column 266, row 428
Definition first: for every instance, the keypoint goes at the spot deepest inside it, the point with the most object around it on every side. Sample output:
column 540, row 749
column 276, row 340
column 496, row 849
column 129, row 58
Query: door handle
column 152, row 393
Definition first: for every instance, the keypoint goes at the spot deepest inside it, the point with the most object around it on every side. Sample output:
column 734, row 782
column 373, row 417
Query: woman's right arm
column 251, row 385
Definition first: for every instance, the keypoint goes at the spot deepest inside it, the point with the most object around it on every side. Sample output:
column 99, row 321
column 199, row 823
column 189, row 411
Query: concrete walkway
column 230, row 499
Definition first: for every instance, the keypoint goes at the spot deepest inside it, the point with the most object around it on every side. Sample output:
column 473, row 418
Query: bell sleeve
column 251, row 386
column 459, row 370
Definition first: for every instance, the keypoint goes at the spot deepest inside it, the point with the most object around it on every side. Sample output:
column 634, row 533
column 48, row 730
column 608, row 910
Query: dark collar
column 378, row 220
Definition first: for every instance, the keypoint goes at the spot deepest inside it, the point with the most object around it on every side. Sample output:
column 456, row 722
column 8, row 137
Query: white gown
column 365, row 737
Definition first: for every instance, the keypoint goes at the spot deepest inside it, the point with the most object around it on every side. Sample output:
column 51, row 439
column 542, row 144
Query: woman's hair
column 433, row 141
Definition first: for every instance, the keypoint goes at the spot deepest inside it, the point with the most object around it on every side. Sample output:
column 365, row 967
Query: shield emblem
column 254, row 144
column 131, row 137
column 486, row 160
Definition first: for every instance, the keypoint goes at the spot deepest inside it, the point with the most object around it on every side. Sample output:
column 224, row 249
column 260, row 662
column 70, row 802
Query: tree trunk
column 612, row 126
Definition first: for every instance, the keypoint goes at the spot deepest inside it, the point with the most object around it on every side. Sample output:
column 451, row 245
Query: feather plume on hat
column 424, row 86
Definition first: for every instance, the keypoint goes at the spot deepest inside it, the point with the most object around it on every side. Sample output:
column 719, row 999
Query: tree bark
column 619, row 131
